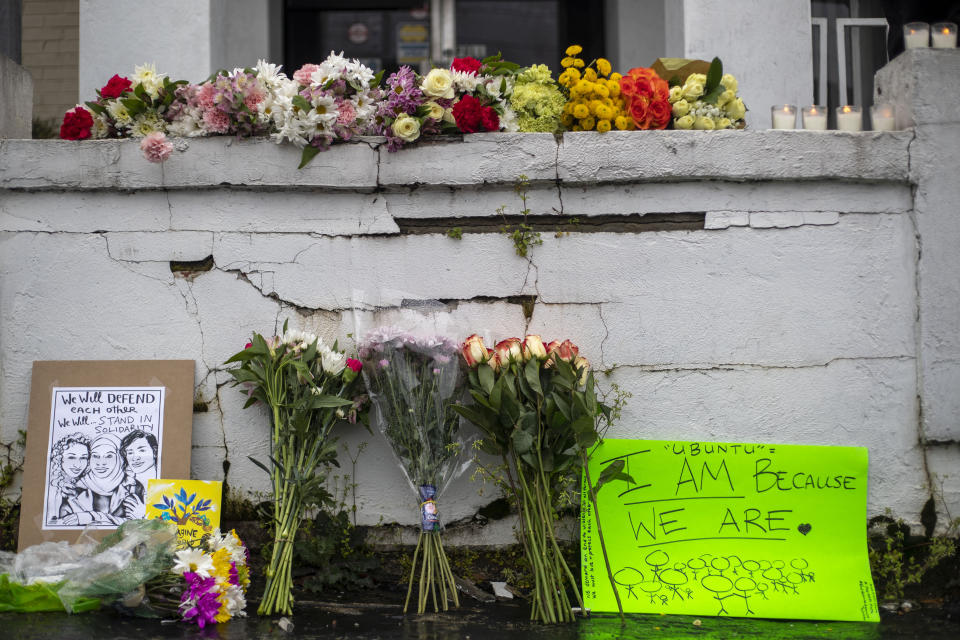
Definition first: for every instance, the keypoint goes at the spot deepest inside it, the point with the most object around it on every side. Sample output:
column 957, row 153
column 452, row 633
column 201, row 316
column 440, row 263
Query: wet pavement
column 500, row 621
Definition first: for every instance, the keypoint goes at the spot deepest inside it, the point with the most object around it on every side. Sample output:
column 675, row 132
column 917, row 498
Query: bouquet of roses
column 413, row 383
column 706, row 100
column 307, row 386
column 538, row 410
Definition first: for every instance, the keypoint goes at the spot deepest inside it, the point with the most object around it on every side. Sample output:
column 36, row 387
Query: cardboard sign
column 97, row 432
column 747, row 530
column 193, row 505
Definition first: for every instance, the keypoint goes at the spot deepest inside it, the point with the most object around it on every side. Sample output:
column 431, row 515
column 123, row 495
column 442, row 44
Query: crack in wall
column 751, row 366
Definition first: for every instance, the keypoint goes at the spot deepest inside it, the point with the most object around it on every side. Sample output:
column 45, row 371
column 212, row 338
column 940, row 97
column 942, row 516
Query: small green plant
column 456, row 233
column 523, row 235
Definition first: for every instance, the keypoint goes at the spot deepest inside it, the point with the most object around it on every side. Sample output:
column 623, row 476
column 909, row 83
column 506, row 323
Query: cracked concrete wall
column 790, row 317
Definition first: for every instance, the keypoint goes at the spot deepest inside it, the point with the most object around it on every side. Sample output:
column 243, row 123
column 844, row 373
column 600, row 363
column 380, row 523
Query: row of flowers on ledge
column 340, row 99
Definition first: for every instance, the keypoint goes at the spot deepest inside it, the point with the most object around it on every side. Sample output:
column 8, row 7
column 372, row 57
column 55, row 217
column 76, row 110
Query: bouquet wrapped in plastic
column 413, row 383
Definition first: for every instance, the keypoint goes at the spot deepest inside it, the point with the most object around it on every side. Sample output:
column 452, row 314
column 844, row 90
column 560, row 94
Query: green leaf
column 532, row 374
column 320, row 402
column 258, row 463
column 301, row 103
column 133, row 105
column 476, row 417
column 674, row 81
column 485, row 374
column 377, row 79
column 308, row 154
column 491, row 59
column 522, row 441
column 713, row 76
column 141, row 93
column 96, row 108
column 711, row 97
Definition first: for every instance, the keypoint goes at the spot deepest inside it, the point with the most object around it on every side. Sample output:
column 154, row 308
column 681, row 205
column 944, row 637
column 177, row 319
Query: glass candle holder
column 814, row 118
column 849, row 118
column 882, row 116
column 784, row 116
column 916, row 35
column 944, row 35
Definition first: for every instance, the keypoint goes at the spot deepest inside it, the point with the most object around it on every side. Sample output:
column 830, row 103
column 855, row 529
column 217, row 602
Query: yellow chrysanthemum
column 221, row 563
column 622, row 123
column 243, row 576
column 590, row 75
column 601, row 90
column 603, row 126
column 616, row 76
column 613, row 87
column 577, row 62
column 577, row 127
column 603, row 66
column 574, row 73
column 587, row 123
column 574, row 49
column 580, row 111
column 566, row 62
column 584, row 86
column 566, row 120
column 222, row 614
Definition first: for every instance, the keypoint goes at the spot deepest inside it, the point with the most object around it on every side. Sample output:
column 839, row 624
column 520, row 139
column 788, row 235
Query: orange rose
column 474, row 351
column 509, row 350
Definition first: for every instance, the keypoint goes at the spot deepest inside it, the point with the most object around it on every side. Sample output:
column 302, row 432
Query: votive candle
column 849, row 118
column 784, row 116
column 882, row 117
column 916, row 35
column 815, row 118
column 944, row 35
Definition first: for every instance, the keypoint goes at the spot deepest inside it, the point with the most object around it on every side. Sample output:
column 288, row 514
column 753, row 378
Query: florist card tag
column 745, row 530
column 193, row 505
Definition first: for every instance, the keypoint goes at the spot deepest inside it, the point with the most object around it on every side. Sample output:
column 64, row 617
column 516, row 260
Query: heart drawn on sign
column 804, row 528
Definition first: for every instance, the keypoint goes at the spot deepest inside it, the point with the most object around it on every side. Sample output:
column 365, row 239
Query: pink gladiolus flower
column 155, row 147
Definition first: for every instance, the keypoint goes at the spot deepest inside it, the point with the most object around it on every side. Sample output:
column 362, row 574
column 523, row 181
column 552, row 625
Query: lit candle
column 916, row 35
column 815, row 118
column 784, row 116
column 849, row 118
column 881, row 115
column 944, row 35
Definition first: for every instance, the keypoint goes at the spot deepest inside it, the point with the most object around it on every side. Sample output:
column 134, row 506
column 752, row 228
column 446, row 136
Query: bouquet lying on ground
column 413, row 383
column 307, row 386
column 538, row 409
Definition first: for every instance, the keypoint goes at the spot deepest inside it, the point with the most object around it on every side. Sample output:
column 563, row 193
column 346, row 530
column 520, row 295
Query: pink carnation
column 302, row 75
column 156, row 147
column 252, row 99
column 206, row 94
column 346, row 113
column 216, row 121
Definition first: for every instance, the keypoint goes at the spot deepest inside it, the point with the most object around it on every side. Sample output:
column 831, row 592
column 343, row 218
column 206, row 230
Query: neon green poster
column 747, row 530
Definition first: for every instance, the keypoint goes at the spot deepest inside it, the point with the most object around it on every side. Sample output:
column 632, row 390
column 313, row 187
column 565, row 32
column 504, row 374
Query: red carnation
column 76, row 124
column 490, row 119
column 466, row 65
column 115, row 87
column 467, row 114
column 354, row 365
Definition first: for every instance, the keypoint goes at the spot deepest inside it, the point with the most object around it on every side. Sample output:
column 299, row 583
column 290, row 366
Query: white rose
column 438, row 84
column 406, row 127
column 435, row 110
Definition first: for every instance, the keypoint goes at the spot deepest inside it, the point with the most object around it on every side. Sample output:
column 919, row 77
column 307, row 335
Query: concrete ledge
column 583, row 158
column 898, row 82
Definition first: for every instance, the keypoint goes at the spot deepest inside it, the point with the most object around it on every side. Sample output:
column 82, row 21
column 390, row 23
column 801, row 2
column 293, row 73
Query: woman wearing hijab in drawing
column 101, row 492
column 69, row 462
column 139, row 452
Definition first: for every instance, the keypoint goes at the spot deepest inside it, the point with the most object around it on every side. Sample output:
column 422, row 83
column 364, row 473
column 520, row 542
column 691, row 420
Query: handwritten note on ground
column 751, row 530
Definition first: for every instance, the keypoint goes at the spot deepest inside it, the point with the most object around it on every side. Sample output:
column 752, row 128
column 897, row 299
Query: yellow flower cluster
column 691, row 112
column 594, row 94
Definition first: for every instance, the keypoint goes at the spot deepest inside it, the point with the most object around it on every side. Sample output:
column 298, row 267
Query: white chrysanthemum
column 365, row 106
column 466, row 82
column 194, row 561
column 231, row 543
column 100, row 127
column 146, row 123
column 146, row 75
column 358, row 75
column 508, row 121
column 233, row 597
column 119, row 113
column 269, row 74
column 333, row 362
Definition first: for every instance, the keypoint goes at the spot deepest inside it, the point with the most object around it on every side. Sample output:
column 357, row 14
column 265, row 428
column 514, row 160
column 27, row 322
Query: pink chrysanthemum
column 155, row 147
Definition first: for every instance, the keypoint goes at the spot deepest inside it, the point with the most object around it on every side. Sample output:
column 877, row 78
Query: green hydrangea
column 537, row 100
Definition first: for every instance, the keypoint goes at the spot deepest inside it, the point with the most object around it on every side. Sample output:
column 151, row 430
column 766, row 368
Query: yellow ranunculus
column 729, row 82
column 603, row 66
column 736, row 109
column 603, row 125
column 622, row 122
column 566, row 62
column 587, row 123
column 704, row 123
column 686, row 122
column 580, row 111
column 680, row 108
column 574, row 49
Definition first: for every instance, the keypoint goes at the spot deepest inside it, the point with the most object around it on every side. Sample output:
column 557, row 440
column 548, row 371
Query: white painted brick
column 778, row 219
column 159, row 247
column 734, row 155
column 726, row 219
column 943, row 462
column 83, row 212
column 850, row 403
column 821, row 217
column 583, row 324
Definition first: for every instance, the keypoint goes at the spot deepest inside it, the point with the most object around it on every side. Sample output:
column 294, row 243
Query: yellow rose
column 680, row 108
column 735, row 109
column 435, row 110
column 686, row 122
column 696, row 78
column 729, row 82
column 691, row 91
column 704, row 123
column 448, row 116
column 724, row 123
column 725, row 97
column 438, row 84
column 675, row 93
column 406, row 127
